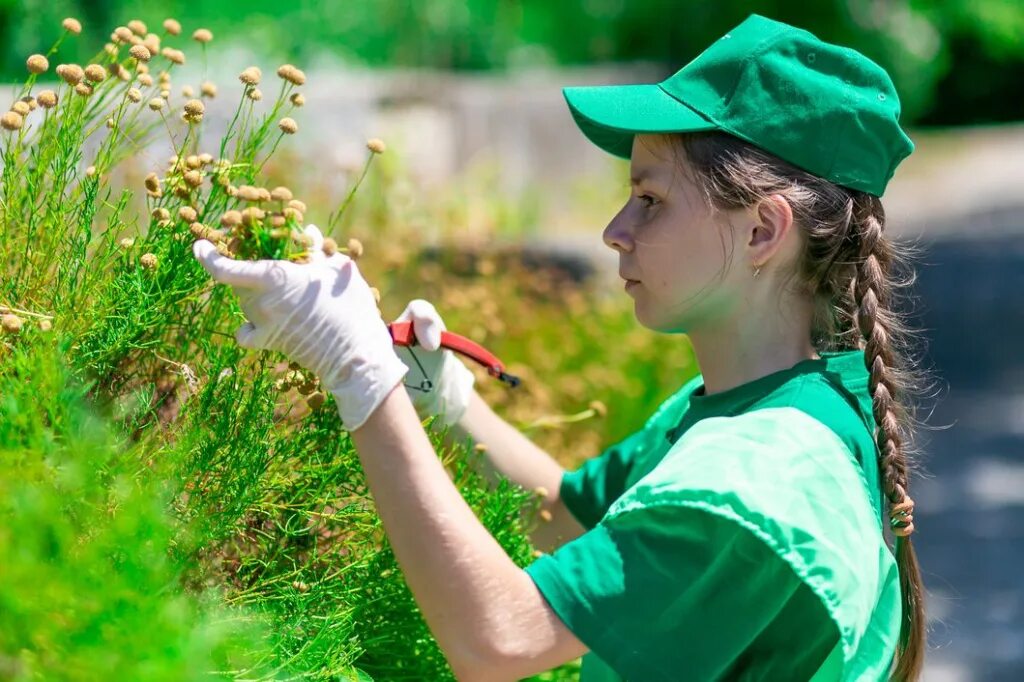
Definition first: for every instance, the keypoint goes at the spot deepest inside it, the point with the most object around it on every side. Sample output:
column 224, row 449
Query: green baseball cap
column 824, row 108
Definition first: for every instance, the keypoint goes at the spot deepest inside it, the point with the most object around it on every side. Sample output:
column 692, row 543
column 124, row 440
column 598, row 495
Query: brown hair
column 854, row 273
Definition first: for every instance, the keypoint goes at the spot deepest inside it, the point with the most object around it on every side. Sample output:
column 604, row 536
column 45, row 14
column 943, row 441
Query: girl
column 741, row 533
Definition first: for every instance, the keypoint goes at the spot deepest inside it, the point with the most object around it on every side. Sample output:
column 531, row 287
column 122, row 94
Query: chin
column 658, row 323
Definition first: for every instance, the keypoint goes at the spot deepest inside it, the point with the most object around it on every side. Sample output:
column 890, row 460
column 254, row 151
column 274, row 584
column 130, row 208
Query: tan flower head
column 72, row 25
column 194, row 107
column 208, row 89
column 376, row 145
column 293, row 214
column 302, row 239
column 231, row 219
column 297, row 205
column 124, row 34
column 95, row 73
column 291, row 74
column 137, row 27
column 205, row 159
column 355, row 248
column 126, row 243
column 166, row 94
column 152, row 182
column 214, row 235
column 37, row 64
column 111, row 123
column 90, row 171
column 12, row 120
column 187, row 91
column 110, row 49
column 152, row 43
column 278, row 220
column 172, row 26
column 165, row 78
column 71, row 73
column 251, row 75
column 47, row 99
column 134, row 95
column 198, row 230
column 157, row 103
column 202, row 35
column 176, row 56
column 140, row 52
column 31, row 102
column 188, row 214
column 249, row 193
column 83, row 89
column 330, row 246
column 288, row 126
column 145, row 80
column 599, row 408
column 21, row 108
column 252, row 215
column 264, row 193
column 119, row 71
column 255, row 94
column 11, row 323
column 194, row 178
column 148, row 261
column 45, row 325
column 161, row 214
column 281, row 194
column 297, row 99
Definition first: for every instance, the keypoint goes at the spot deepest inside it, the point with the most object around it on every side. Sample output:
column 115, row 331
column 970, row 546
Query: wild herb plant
column 173, row 506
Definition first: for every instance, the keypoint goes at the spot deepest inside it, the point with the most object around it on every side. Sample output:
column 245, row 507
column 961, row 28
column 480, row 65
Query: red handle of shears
column 402, row 334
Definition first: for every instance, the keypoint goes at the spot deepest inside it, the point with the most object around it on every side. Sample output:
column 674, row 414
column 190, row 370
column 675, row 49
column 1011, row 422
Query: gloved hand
column 450, row 381
column 322, row 315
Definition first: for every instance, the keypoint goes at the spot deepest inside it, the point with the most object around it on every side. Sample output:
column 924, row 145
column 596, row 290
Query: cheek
column 683, row 262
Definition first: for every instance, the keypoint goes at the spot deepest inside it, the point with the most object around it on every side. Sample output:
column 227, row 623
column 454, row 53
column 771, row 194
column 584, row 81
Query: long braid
column 871, row 289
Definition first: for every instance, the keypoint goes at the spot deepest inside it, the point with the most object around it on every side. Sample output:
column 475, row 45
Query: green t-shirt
column 737, row 536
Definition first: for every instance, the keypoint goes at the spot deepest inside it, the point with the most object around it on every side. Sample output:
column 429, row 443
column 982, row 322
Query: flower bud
column 288, row 126
column 172, row 26
column 47, row 99
column 188, row 214
column 202, row 35
column 37, row 64
column 72, row 25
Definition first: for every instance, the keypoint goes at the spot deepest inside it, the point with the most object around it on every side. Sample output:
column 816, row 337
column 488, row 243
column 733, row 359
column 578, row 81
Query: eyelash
column 647, row 196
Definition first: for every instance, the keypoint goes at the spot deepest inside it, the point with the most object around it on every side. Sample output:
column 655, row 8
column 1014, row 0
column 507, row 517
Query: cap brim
column 610, row 115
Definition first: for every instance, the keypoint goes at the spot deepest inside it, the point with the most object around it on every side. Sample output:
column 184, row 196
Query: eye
column 647, row 200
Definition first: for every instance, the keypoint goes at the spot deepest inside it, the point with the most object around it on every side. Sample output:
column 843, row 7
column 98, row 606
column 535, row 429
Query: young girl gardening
column 740, row 534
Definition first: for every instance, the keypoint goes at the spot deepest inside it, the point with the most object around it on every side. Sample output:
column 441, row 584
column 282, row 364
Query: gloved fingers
column 427, row 324
column 316, row 249
column 237, row 273
column 250, row 336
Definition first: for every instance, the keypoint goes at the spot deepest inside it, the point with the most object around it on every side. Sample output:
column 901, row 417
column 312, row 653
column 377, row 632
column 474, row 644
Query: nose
column 618, row 235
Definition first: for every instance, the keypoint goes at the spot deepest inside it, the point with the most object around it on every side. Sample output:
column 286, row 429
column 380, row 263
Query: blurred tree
column 941, row 53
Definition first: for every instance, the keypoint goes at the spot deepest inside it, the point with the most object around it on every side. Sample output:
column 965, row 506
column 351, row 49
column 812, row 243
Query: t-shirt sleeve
column 590, row 490
column 669, row 591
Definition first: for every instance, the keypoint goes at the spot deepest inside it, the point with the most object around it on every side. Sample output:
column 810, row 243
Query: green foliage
column 924, row 44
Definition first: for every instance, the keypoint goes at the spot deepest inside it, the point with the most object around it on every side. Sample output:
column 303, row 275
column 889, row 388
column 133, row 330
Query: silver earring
column 757, row 271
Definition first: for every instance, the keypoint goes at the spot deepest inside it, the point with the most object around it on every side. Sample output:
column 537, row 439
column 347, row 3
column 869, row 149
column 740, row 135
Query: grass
column 174, row 507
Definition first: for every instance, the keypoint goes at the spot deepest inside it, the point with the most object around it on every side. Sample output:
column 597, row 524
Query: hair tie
column 901, row 514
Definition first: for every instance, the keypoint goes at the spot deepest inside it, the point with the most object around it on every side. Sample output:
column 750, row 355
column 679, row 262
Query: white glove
column 437, row 382
column 321, row 315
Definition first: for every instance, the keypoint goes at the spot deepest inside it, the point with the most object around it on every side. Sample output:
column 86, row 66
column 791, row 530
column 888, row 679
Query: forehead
column 651, row 159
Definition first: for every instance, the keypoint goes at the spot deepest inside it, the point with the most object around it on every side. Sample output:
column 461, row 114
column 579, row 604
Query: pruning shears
column 402, row 334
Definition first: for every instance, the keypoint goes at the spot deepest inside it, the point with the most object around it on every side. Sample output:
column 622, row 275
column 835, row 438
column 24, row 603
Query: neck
column 741, row 349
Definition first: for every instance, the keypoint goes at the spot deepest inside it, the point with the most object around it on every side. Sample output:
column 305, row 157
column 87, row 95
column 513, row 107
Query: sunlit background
column 483, row 152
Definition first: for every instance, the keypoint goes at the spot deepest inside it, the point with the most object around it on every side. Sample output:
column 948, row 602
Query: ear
column 770, row 228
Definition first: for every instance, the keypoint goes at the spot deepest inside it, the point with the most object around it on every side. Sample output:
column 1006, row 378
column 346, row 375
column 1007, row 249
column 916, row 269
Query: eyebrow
column 641, row 176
